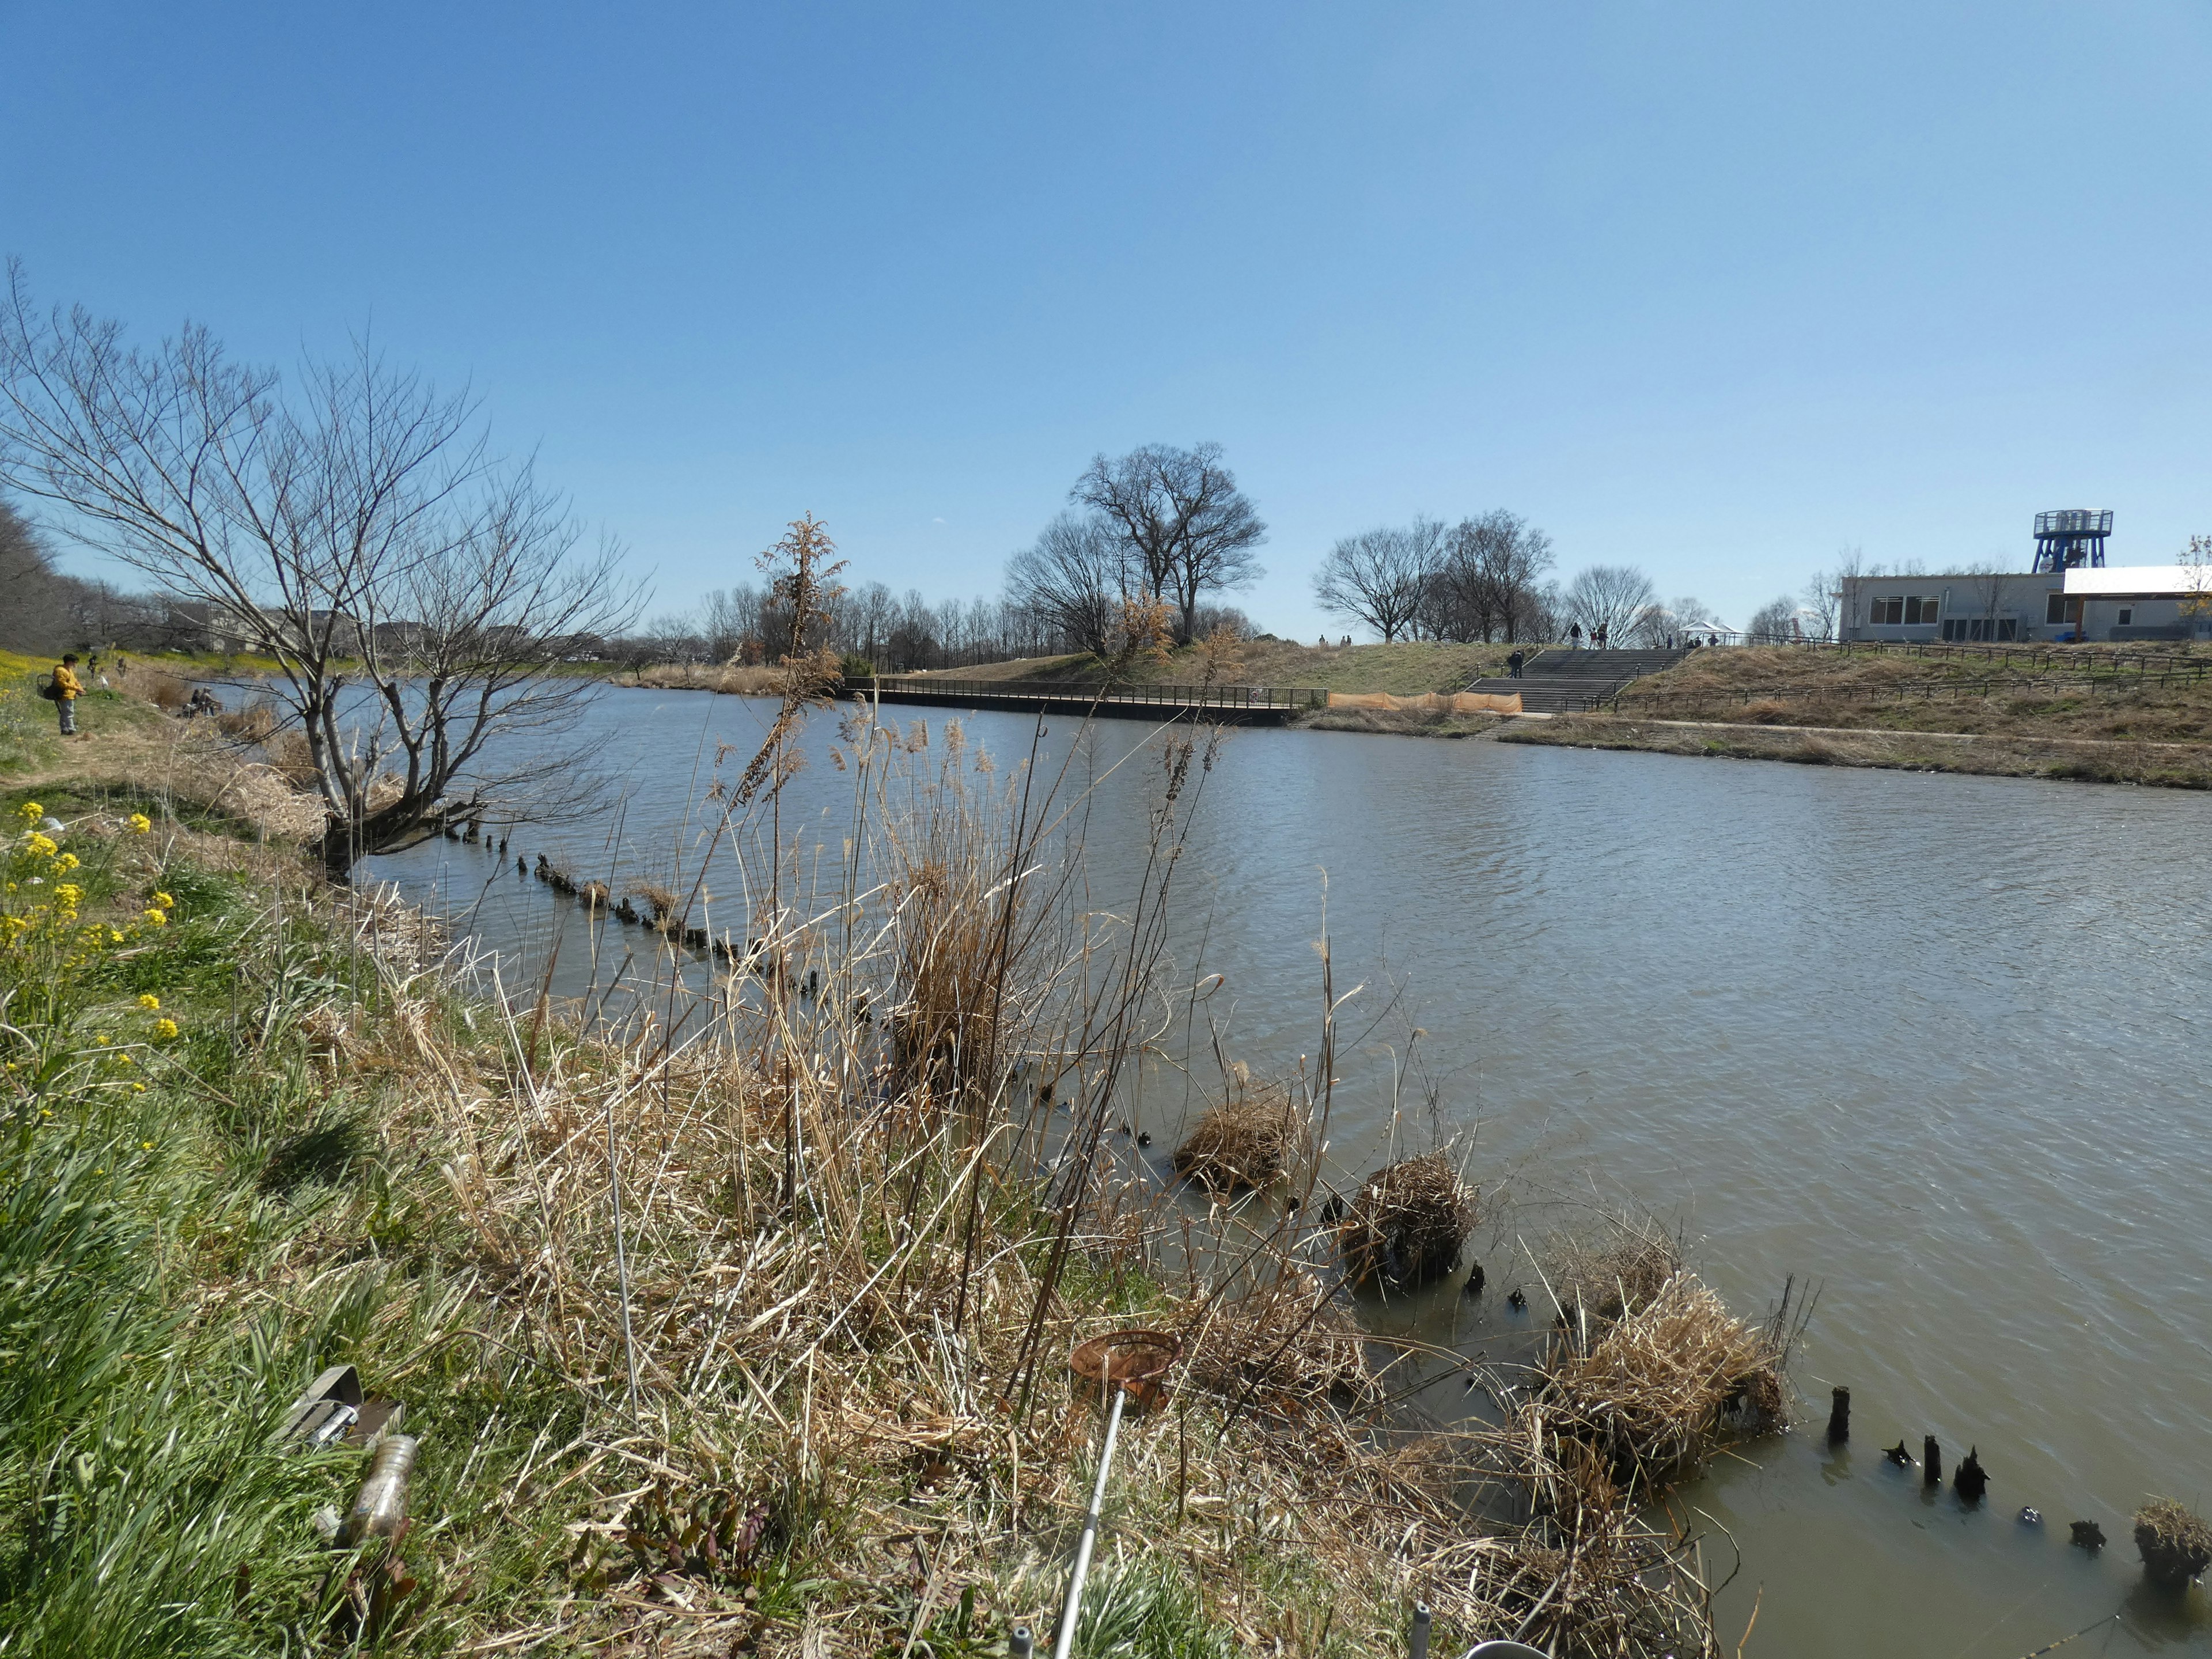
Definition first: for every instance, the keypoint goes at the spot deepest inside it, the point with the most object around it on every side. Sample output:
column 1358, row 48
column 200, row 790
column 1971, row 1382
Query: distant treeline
column 42, row 608
column 892, row 632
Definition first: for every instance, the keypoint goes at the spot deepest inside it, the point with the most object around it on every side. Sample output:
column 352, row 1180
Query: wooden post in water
column 1931, row 1462
column 1839, row 1416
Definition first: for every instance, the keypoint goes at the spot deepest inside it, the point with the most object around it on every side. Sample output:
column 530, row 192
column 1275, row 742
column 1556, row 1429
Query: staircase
column 1561, row 682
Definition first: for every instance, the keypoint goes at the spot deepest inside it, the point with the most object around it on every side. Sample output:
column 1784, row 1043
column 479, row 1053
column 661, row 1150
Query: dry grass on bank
column 733, row 680
column 2165, row 765
column 1401, row 722
column 755, row 1342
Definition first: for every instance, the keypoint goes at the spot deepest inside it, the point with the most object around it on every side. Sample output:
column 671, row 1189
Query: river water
column 1937, row 1043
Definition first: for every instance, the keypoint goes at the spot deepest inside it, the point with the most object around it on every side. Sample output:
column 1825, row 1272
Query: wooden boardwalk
column 1229, row 705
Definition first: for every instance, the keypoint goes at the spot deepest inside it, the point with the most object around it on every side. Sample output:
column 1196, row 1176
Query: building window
column 2062, row 611
column 1979, row 630
column 2127, row 616
column 1921, row 612
column 1886, row 613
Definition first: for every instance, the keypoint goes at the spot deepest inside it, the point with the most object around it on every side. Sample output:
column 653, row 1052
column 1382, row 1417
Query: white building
column 2101, row 603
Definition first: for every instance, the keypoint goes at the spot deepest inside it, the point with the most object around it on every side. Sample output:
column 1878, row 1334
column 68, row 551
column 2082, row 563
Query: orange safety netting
column 1433, row 702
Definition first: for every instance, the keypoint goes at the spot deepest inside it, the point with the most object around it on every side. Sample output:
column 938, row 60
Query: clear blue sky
column 1715, row 289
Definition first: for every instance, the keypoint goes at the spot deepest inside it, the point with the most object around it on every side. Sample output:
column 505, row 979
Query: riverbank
column 708, row 1350
column 2165, row 765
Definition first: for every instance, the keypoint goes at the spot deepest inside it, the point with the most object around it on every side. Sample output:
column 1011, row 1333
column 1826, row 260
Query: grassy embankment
column 1405, row 670
column 2131, row 714
column 799, row 1390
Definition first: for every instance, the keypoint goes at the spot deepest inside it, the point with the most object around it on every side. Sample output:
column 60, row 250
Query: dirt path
column 176, row 761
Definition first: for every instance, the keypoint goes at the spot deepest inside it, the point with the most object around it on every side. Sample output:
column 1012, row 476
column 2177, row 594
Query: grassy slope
column 2100, row 716
column 30, row 736
column 337, row 1156
column 2082, row 695
column 322, row 1168
column 1404, row 670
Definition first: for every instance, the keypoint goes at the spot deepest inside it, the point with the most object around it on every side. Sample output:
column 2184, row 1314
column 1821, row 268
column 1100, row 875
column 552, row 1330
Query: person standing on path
column 66, row 689
column 1513, row 665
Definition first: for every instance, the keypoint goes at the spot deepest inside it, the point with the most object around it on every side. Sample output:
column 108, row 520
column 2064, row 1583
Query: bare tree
column 36, row 613
column 1187, row 527
column 1379, row 576
column 1824, row 594
column 2196, row 563
column 1075, row 576
column 1606, row 599
column 1511, row 555
column 1224, row 621
column 728, row 618
column 412, row 590
column 1987, row 580
column 1774, row 622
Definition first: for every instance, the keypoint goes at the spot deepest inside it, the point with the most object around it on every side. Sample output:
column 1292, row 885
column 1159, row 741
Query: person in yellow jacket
column 70, row 689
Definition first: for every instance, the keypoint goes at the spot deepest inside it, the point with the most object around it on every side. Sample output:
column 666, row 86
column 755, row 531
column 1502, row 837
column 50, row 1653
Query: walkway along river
column 1937, row 1041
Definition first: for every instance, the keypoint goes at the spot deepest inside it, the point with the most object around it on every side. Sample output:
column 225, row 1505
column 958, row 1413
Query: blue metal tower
column 2069, row 539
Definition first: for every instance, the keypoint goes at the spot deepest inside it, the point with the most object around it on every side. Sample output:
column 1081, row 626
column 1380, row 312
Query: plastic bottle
column 380, row 1508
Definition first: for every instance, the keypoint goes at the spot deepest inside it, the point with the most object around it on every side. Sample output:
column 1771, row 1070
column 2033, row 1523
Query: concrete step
column 1609, row 665
column 1547, row 696
column 1560, row 682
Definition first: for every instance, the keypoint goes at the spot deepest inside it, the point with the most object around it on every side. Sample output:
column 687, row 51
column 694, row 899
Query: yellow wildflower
column 155, row 917
column 165, row 1028
column 137, row 1088
column 140, row 824
column 30, row 812
column 149, row 1002
column 145, row 1146
column 42, row 844
column 67, row 861
column 164, row 901
column 70, row 894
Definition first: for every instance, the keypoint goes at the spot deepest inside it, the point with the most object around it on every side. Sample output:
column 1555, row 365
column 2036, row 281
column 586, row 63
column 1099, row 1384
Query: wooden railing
column 1144, row 694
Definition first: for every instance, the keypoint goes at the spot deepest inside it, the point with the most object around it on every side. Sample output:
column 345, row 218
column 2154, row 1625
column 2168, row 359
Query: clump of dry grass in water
column 1250, row 1140
column 1598, row 1282
column 164, row 690
column 257, row 722
column 1650, row 1391
column 1408, row 1224
column 659, row 902
column 2173, row 1540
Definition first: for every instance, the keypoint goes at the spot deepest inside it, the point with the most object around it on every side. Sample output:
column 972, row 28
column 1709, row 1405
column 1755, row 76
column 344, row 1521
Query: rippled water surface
column 1938, row 1043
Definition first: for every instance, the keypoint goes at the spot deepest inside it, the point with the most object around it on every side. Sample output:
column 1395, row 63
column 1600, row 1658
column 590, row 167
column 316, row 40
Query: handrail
column 1143, row 693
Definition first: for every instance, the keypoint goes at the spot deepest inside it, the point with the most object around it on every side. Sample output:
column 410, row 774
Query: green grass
column 175, row 1263
column 28, row 725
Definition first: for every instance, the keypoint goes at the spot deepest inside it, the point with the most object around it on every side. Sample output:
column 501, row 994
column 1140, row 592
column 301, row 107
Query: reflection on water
column 1937, row 1041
